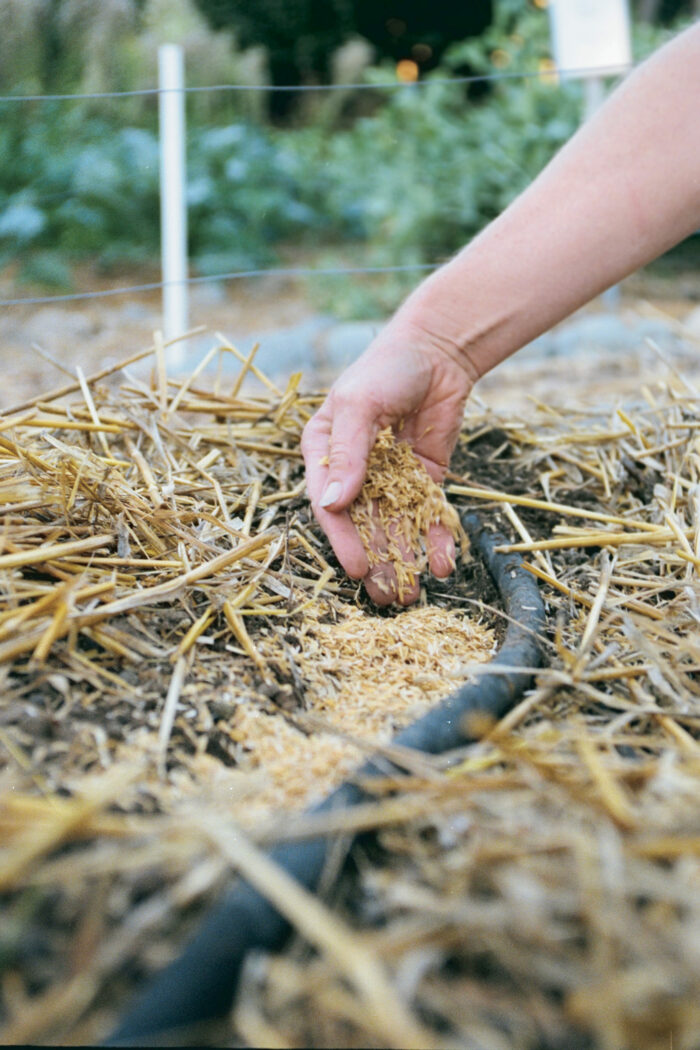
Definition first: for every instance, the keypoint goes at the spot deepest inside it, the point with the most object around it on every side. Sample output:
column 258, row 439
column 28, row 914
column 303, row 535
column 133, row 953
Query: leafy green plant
column 420, row 177
column 432, row 166
column 408, row 183
column 82, row 188
column 76, row 186
column 245, row 196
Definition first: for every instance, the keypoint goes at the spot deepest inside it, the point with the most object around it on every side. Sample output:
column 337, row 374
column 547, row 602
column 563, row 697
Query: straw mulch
column 181, row 658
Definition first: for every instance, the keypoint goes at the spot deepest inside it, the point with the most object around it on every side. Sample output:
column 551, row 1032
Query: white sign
column 591, row 35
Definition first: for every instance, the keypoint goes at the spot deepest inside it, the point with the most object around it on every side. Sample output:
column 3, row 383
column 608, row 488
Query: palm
column 419, row 391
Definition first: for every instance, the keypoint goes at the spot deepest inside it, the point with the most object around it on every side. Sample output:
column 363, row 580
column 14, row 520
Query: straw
column 185, row 668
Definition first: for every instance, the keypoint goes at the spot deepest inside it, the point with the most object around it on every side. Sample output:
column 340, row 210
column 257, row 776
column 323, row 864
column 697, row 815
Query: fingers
column 336, row 446
column 337, row 525
column 441, row 551
column 382, row 586
column 382, row 582
column 345, row 541
column 315, row 440
column 352, row 437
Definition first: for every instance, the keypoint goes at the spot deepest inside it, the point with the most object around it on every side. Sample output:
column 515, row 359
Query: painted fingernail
column 331, row 494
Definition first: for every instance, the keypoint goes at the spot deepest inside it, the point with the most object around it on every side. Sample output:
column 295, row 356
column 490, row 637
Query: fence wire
column 272, row 271
column 492, row 77
column 475, row 78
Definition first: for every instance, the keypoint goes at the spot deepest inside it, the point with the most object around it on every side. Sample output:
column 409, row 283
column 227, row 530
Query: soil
column 100, row 330
column 39, row 342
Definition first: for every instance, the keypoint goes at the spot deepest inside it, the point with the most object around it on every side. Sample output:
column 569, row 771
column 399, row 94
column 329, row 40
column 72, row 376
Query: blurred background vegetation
column 388, row 176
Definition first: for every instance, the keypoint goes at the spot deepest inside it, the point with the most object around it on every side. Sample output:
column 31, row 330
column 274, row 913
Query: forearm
column 623, row 190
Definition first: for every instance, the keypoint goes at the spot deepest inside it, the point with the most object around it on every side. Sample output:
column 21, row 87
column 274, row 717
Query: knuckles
column 312, row 436
column 340, row 456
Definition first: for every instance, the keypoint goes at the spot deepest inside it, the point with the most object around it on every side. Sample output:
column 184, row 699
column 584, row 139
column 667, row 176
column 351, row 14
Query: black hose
column 201, row 983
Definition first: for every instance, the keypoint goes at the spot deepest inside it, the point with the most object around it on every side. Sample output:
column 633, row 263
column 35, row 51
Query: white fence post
column 173, row 204
column 593, row 37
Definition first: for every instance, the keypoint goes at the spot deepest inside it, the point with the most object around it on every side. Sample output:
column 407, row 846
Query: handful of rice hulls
column 400, row 498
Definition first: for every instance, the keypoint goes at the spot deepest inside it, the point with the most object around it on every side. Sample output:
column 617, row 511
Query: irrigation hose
column 201, row 983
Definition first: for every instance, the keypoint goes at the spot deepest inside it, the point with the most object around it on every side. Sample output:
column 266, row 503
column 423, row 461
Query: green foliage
column 419, row 178
column 79, row 187
column 431, row 167
column 246, row 194
column 49, row 270
column 408, row 184
column 75, row 186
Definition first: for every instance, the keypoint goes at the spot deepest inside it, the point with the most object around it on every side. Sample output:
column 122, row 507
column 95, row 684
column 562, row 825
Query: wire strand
column 274, row 271
column 277, row 271
column 564, row 74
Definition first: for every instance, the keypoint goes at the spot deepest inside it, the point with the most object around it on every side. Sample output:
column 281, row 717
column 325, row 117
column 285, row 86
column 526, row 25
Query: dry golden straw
column 398, row 504
column 182, row 656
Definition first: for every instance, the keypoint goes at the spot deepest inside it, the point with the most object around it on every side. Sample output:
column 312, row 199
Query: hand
column 405, row 378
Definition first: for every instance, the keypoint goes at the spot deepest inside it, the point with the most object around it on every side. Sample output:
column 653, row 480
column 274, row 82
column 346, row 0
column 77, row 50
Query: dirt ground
column 40, row 342
column 545, row 897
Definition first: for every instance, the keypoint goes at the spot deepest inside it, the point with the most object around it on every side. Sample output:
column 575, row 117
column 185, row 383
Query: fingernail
column 331, row 494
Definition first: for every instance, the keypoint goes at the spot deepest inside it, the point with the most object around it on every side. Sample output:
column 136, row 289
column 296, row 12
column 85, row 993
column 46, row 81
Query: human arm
column 623, row 190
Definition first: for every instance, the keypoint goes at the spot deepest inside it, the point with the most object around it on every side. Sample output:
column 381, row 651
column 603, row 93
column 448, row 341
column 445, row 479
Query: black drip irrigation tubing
column 201, row 983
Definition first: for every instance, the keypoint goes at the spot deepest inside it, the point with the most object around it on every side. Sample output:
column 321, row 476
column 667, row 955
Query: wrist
column 458, row 314
column 433, row 319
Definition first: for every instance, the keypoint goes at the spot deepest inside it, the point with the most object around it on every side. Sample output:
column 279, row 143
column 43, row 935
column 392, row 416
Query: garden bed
column 176, row 644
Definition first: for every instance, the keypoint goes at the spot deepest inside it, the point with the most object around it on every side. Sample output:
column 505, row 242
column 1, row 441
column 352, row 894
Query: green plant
column 416, row 180
column 77, row 186
column 432, row 166
column 407, row 184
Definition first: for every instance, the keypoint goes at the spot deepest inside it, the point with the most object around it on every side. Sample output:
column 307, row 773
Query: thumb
column 353, row 433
